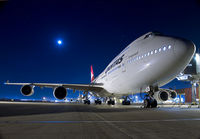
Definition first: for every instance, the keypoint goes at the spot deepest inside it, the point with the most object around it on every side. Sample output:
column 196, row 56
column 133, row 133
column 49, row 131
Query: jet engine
column 60, row 92
column 27, row 90
column 165, row 94
column 172, row 94
column 161, row 95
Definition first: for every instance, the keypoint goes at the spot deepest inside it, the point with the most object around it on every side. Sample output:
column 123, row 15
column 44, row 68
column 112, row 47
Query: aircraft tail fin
column 92, row 74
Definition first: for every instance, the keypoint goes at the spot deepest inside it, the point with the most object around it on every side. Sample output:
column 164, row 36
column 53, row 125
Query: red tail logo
column 92, row 74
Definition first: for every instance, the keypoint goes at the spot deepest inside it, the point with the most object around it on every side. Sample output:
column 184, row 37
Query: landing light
column 197, row 58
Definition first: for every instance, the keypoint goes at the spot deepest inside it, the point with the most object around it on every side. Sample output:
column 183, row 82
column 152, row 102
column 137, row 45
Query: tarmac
column 79, row 121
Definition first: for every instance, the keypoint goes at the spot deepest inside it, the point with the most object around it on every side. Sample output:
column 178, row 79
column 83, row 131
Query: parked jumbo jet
column 148, row 63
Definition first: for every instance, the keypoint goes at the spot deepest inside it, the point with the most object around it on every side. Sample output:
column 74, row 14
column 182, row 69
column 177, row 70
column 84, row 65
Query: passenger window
column 169, row 47
column 160, row 49
column 164, row 48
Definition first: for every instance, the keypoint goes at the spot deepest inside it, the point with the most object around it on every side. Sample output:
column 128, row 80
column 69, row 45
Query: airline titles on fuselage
column 117, row 62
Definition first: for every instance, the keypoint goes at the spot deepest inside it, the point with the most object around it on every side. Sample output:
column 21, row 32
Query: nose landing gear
column 149, row 101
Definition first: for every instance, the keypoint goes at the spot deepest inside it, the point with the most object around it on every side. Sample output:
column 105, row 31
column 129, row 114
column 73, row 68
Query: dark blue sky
column 93, row 32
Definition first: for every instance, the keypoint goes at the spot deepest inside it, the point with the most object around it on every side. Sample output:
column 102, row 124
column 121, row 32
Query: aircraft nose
column 184, row 49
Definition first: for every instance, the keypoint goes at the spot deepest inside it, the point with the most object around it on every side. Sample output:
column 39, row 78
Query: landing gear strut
column 149, row 101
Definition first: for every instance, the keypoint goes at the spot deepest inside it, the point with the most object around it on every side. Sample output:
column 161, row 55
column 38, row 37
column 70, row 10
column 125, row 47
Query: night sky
column 93, row 32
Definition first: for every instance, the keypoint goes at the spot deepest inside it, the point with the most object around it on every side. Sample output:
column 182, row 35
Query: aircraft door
column 123, row 67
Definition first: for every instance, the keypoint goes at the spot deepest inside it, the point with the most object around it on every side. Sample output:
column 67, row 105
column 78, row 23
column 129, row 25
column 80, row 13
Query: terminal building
column 187, row 93
column 192, row 75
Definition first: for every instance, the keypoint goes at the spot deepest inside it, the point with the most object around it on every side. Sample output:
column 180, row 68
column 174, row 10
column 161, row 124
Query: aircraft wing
column 83, row 87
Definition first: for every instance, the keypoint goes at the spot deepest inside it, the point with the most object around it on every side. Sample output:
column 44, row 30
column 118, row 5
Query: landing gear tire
column 111, row 102
column 126, row 102
column 154, row 104
column 150, row 103
column 98, row 102
column 146, row 103
column 87, row 102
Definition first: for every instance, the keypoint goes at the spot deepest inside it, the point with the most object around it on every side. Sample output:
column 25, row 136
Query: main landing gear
column 111, row 102
column 87, row 101
column 97, row 101
column 126, row 101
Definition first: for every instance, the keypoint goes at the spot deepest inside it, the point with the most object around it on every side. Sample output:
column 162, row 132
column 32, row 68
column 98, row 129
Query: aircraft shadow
column 34, row 109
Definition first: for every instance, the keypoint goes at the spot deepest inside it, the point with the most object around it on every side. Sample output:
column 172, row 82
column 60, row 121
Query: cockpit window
column 152, row 34
column 148, row 35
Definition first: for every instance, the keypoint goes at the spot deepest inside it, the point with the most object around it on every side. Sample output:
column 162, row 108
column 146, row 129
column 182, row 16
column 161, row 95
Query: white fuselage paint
column 148, row 61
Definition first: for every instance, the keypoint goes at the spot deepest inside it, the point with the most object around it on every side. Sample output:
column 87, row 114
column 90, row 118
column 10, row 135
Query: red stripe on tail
column 92, row 74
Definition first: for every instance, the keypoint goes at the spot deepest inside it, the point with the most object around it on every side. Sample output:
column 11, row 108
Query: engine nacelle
column 172, row 94
column 161, row 95
column 27, row 90
column 60, row 92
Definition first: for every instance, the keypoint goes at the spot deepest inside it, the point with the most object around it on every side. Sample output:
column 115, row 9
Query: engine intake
column 60, row 92
column 161, row 95
column 27, row 90
column 172, row 94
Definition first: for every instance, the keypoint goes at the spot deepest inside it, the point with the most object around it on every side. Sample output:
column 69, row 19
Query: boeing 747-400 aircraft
column 145, row 65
